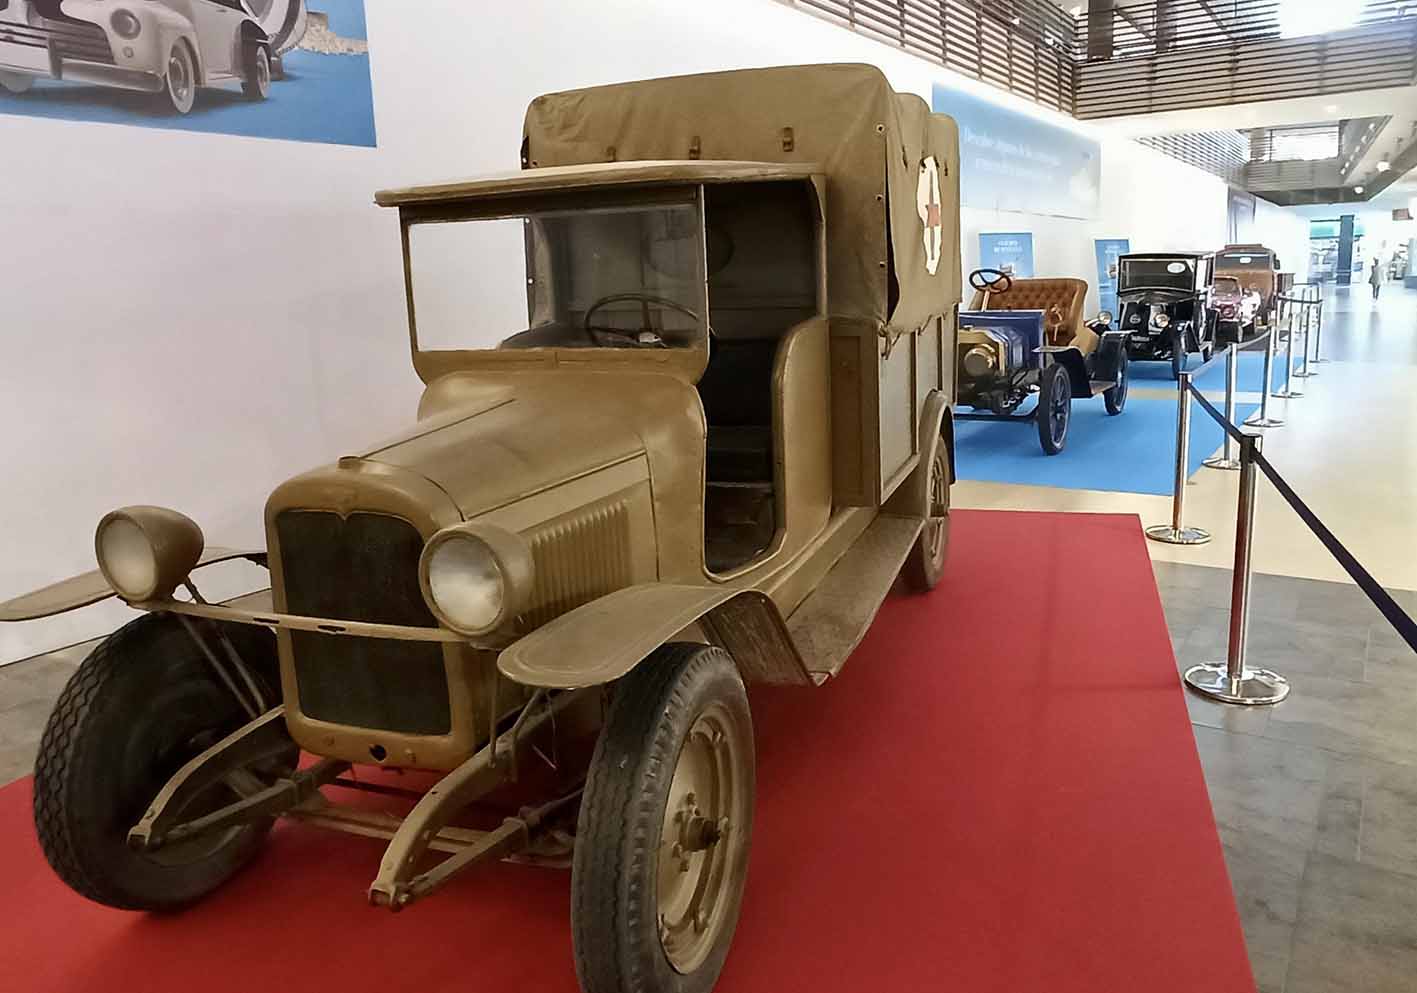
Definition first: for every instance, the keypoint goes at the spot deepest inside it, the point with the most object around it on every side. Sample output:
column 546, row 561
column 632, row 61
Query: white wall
column 1287, row 232
column 190, row 318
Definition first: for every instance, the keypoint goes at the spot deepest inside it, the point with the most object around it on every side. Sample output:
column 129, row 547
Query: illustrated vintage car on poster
column 1023, row 337
column 1166, row 305
column 722, row 433
column 165, row 47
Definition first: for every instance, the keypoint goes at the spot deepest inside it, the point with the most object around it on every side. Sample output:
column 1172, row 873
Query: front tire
column 1055, row 408
column 926, row 560
column 139, row 707
column 1115, row 399
column 16, row 82
column 179, row 84
column 665, row 825
column 1178, row 355
column 256, row 72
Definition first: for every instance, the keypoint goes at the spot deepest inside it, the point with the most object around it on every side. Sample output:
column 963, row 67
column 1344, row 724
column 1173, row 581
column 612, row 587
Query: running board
column 830, row 623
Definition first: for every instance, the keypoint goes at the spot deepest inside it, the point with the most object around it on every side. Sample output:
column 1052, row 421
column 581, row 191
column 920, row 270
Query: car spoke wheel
column 926, row 561
column 665, row 825
column 1115, row 399
column 1055, row 407
column 181, row 79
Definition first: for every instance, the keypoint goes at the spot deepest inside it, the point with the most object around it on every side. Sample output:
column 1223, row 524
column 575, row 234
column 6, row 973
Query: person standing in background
column 1375, row 276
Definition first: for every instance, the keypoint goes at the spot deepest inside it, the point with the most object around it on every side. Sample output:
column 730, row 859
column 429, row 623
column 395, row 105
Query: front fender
column 603, row 640
column 91, row 587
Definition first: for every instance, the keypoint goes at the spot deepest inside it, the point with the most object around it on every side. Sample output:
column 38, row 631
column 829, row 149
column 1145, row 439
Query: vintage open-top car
column 1023, row 337
column 710, row 429
column 1166, row 305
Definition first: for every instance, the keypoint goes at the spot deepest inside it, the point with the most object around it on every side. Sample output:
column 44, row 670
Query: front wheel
column 1178, row 355
column 665, row 824
column 1115, row 399
column 15, row 82
column 180, row 81
column 1055, row 408
column 136, row 710
column 256, row 72
column 926, row 561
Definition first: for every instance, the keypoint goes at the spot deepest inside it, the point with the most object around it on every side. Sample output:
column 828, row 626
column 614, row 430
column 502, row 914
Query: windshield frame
column 685, row 362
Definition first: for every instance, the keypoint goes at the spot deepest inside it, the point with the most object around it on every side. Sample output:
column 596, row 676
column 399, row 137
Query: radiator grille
column 363, row 567
column 577, row 560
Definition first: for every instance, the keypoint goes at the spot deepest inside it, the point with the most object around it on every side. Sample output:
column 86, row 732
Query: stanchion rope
column 1387, row 606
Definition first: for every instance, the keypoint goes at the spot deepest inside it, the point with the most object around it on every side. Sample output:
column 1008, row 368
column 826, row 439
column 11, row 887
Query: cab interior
column 762, row 281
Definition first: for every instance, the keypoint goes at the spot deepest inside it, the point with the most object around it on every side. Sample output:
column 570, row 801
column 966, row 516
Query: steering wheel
column 637, row 338
column 991, row 280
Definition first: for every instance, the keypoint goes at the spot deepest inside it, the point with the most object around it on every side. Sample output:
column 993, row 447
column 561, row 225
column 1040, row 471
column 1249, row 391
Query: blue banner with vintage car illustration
column 1010, row 252
column 267, row 69
column 1013, row 161
column 1109, row 250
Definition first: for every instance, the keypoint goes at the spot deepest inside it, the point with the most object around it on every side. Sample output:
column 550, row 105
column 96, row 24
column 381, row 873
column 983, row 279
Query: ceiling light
column 1371, row 126
column 1331, row 109
column 1358, row 190
column 1384, row 165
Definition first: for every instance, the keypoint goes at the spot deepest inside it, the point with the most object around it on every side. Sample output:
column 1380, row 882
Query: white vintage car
column 164, row 47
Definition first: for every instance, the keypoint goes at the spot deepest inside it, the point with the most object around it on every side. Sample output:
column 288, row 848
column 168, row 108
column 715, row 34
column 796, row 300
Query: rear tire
column 651, row 909
column 138, row 708
column 926, row 560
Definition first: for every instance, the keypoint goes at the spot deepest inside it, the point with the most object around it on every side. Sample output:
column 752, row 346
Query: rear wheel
column 1115, row 399
column 926, row 561
column 137, row 709
column 1055, row 408
column 666, row 820
column 256, row 72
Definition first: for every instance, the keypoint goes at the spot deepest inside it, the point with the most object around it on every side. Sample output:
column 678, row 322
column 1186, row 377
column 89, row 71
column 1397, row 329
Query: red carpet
column 1000, row 793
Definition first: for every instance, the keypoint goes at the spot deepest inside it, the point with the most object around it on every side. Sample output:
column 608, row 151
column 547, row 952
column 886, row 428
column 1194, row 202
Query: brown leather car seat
column 1061, row 301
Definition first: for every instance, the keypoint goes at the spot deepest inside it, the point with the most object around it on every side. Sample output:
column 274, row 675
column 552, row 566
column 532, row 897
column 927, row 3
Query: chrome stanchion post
column 1303, row 371
column 1319, row 325
column 1289, row 390
column 1226, row 459
column 1176, row 533
column 1261, row 418
column 1232, row 681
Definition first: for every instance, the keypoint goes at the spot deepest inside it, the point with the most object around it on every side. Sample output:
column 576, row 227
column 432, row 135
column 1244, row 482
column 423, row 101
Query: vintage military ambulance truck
column 707, row 435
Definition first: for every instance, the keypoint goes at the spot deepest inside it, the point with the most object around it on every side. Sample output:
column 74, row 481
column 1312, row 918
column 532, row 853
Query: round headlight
column 1161, row 320
column 475, row 577
column 978, row 361
column 144, row 552
column 1105, row 317
column 126, row 24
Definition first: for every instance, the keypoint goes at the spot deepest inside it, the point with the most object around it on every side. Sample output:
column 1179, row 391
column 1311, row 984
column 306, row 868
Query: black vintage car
column 1166, row 305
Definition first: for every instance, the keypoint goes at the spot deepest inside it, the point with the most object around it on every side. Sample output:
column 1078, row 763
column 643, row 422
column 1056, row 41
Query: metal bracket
column 260, row 740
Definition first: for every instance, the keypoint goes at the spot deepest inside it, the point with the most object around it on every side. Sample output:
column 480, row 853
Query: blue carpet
column 1247, row 377
column 1133, row 452
column 324, row 98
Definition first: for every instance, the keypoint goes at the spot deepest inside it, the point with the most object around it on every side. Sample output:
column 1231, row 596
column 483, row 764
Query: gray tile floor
column 1315, row 799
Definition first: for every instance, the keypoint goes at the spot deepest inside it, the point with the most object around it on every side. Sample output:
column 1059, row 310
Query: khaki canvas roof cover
column 870, row 142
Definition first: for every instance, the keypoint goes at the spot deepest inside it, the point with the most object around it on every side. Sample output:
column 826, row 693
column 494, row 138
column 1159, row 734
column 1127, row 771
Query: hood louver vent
column 577, row 560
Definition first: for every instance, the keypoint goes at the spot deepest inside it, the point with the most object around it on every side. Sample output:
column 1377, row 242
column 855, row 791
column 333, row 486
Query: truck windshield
column 628, row 276
column 1168, row 273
